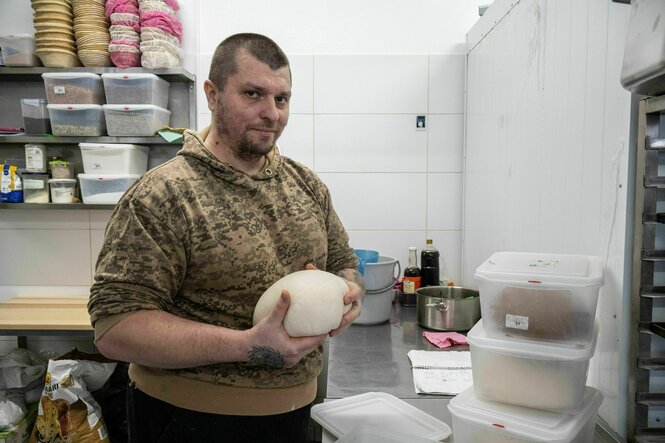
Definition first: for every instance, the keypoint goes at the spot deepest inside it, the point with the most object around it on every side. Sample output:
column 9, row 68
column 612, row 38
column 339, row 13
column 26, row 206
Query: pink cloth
column 445, row 339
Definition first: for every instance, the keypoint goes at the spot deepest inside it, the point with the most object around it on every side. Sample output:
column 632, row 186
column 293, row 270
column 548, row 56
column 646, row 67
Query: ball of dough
column 317, row 302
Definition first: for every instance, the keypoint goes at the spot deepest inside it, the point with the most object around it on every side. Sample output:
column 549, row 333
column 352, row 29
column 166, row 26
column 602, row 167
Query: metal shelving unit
column 647, row 392
column 27, row 82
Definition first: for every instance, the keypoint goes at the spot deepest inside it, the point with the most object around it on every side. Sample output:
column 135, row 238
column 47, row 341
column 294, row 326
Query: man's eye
column 252, row 94
column 282, row 99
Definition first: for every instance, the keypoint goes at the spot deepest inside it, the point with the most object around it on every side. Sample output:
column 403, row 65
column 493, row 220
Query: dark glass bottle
column 411, row 279
column 429, row 265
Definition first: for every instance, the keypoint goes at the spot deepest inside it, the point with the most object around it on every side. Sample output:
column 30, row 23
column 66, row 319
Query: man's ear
column 211, row 92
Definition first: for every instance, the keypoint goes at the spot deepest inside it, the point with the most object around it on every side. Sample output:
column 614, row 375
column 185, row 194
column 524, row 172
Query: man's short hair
column 224, row 63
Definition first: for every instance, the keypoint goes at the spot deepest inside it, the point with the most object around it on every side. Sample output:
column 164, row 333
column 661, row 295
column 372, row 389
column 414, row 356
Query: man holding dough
column 190, row 249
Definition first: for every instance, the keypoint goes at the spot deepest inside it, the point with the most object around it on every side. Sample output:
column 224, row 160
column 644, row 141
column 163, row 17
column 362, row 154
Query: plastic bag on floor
column 67, row 410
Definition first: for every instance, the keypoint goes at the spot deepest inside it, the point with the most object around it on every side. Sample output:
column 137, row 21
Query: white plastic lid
column 531, row 348
column 525, row 423
column 107, row 176
column 109, row 146
column 378, row 409
column 559, row 269
column 74, row 107
column 129, row 76
column 70, row 75
column 375, row 434
column 130, row 108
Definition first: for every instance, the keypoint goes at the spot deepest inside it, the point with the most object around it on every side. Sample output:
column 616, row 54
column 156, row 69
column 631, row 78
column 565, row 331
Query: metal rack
column 647, row 351
column 27, row 82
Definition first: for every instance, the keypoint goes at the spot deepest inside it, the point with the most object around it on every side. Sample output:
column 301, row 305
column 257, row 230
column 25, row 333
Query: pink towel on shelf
column 445, row 339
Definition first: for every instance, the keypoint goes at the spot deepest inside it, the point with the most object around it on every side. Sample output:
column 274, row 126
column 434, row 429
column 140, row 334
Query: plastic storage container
column 114, row 158
column 35, row 187
column 105, row 189
column 478, row 421
column 529, row 374
column 63, row 190
column 540, row 296
column 35, row 157
column 381, row 274
column 60, row 168
column 378, row 409
column 77, row 120
column 18, row 50
column 135, row 120
column 145, row 89
column 35, row 116
column 73, row 88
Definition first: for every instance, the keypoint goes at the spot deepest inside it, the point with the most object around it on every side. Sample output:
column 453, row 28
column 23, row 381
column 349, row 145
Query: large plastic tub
column 105, row 189
column 114, row 158
column 18, row 50
column 540, row 296
column 529, row 374
column 478, row 421
column 77, row 120
column 135, row 120
column 145, row 89
column 76, row 88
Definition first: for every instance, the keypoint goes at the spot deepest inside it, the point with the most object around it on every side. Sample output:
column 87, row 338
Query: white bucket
column 376, row 308
column 380, row 275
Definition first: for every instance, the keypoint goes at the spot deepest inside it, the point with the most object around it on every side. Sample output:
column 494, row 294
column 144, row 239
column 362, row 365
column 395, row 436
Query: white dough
column 317, row 302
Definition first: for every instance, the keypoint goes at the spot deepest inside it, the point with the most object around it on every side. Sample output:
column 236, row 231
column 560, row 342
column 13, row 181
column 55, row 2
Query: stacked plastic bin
column 75, row 108
column 530, row 351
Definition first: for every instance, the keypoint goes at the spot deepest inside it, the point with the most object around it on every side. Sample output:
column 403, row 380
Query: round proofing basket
column 381, row 275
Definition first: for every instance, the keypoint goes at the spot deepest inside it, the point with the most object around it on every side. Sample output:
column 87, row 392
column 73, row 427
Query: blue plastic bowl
column 365, row 256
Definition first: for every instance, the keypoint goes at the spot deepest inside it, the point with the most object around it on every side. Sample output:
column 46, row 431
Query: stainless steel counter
column 372, row 358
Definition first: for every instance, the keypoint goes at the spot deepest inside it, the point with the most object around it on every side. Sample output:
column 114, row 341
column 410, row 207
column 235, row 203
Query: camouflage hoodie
column 201, row 240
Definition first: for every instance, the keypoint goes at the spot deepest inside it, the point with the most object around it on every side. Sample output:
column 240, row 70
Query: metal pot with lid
column 447, row 308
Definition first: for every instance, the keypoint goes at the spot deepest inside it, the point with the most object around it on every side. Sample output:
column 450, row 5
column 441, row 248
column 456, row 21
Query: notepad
column 441, row 372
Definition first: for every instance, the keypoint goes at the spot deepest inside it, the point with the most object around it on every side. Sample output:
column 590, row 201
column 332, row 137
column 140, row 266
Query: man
column 190, row 249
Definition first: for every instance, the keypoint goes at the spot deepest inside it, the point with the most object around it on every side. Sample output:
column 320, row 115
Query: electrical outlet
column 420, row 123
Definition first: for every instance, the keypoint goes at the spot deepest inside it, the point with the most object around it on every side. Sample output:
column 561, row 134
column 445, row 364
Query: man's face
column 253, row 109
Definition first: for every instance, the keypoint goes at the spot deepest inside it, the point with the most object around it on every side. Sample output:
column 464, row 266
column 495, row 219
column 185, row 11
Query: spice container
column 60, row 168
column 35, row 116
column 35, row 187
column 135, row 120
column 73, row 88
column 35, row 158
column 63, row 190
column 146, row 89
column 77, row 120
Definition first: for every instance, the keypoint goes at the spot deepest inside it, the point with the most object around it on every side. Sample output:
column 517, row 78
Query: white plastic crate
column 540, row 296
column 479, row 421
column 142, row 88
column 135, row 120
column 105, row 189
column 529, row 373
column 114, row 158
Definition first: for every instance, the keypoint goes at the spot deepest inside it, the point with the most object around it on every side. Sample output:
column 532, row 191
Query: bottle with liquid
column 429, row 265
column 411, row 279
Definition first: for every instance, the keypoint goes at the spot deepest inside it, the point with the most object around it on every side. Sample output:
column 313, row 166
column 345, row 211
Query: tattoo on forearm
column 354, row 276
column 264, row 355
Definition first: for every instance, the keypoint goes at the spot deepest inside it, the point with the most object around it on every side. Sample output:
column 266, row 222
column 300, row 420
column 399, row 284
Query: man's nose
column 270, row 111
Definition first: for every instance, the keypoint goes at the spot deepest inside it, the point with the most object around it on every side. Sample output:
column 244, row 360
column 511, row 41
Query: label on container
column 34, row 158
column 62, row 195
column 517, row 322
column 410, row 284
column 58, row 89
column 33, row 184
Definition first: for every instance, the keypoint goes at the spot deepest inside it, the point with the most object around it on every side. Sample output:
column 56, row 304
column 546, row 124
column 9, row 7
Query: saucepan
column 447, row 308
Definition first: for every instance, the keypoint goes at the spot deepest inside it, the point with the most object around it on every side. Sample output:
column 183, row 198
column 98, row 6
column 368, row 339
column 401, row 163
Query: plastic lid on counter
column 378, row 409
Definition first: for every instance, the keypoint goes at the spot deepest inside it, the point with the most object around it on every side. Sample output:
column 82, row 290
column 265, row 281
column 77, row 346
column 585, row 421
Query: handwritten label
column 517, row 322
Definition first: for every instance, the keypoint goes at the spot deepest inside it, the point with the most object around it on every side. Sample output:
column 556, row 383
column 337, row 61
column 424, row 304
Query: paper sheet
column 441, row 372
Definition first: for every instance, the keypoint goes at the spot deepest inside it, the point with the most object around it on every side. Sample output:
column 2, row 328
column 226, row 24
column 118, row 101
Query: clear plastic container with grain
column 73, row 88
column 35, row 187
column 141, row 88
column 77, row 120
column 135, row 120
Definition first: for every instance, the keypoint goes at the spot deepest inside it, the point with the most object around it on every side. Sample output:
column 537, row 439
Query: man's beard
column 248, row 150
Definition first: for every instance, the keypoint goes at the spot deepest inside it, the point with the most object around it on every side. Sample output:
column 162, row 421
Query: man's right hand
column 272, row 346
